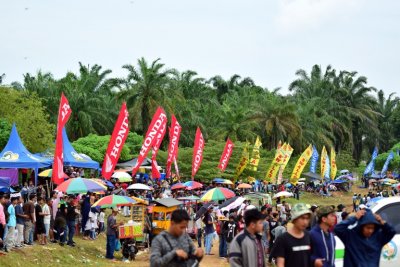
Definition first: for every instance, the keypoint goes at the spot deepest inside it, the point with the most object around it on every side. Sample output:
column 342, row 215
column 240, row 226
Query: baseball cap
column 325, row 210
column 299, row 210
column 362, row 207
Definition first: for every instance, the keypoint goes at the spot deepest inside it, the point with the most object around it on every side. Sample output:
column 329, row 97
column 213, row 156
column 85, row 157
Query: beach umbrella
column 189, row 198
column 190, row 185
column 283, row 194
column 244, row 186
column 226, row 181
column 114, row 201
column 218, row 193
column 80, row 186
column 218, row 180
column 122, row 177
column 139, row 186
column 388, row 181
column 177, row 186
column 104, row 182
column 48, row 173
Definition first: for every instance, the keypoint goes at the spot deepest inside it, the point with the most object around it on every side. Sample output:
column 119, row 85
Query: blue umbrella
column 219, row 180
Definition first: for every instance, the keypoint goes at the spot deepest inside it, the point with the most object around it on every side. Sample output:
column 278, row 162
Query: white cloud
column 300, row 15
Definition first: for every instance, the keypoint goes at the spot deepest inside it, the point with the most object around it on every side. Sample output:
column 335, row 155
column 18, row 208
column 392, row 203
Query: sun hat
column 325, row 210
column 299, row 210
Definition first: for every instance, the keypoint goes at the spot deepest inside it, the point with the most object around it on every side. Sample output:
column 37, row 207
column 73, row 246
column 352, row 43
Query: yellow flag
column 243, row 161
column 301, row 163
column 287, row 153
column 255, row 157
column 333, row 163
column 275, row 164
column 324, row 154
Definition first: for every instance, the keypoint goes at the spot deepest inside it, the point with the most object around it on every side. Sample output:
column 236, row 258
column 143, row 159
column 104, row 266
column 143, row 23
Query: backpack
column 219, row 227
column 231, row 232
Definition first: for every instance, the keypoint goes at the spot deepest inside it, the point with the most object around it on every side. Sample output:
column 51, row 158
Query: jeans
column 199, row 236
column 110, row 248
column 47, row 228
column 28, row 232
column 208, row 238
column 4, row 233
column 9, row 240
column 71, row 231
column 222, row 246
column 20, row 231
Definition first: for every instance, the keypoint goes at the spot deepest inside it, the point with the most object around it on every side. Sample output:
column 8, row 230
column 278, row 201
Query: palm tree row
column 334, row 108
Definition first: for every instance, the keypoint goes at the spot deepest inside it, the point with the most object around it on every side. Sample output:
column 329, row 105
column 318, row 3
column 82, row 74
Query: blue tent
column 73, row 158
column 15, row 155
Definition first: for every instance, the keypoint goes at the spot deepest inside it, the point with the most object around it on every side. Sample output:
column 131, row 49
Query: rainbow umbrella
column 190, row 185
column 114, row 201
column 103, row 182
column 218, row 193
column 48, row 173
column 177, row 186
column 80, row 186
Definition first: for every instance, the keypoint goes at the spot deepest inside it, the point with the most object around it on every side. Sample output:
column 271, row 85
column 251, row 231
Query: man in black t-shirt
column 293, row 248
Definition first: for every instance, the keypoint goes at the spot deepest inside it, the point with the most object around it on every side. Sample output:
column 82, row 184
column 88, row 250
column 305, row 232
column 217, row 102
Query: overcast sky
column 267, row 40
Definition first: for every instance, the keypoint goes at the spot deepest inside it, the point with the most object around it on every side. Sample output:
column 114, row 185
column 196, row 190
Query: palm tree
column 145, row 88
column 94, row 108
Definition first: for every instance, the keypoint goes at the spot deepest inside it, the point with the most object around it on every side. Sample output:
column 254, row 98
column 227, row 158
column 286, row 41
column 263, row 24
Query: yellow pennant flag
column 301, row 163
column 333, row 164
column 324, row 154
column 287, row 153
column 255, row 157
column 243, row 161
column 275, row 164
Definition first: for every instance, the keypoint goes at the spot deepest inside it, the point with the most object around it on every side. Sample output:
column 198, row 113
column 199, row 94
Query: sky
column 267, row 40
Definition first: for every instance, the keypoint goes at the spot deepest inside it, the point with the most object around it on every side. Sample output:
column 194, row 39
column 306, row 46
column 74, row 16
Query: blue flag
column 386, row 165
column 371, row 165
column 327, row 174
column 314, row 160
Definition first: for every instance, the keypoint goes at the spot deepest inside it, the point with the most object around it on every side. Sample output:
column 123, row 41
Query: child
column 91, row 224
column 101, row 221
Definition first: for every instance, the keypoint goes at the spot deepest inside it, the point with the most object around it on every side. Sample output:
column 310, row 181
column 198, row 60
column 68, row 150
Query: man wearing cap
column 293, row 248
column 246, row 249
column 364, row 236
column 322, row 240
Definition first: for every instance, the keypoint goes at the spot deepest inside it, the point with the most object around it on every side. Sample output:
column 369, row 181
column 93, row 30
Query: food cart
column 138, row 215
column 162, row 213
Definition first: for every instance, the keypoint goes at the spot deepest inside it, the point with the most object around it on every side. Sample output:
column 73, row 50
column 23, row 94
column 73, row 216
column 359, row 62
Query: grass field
column 91, row 253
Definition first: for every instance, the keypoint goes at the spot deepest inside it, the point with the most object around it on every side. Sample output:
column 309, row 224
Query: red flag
column 226, row 155
column 64, row 112
column 151, row 136
column 117, row 141
column 197, row 152
column 155, row 173
column 174, row 134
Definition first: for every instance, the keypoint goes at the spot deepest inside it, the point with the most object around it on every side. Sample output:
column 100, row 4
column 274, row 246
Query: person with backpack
column 222, row 241
column 246, row 248
column 229, row 231
column 174, row 247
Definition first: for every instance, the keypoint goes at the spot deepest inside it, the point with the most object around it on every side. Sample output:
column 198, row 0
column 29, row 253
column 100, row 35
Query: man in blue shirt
column 19, row 213
column 12, row 222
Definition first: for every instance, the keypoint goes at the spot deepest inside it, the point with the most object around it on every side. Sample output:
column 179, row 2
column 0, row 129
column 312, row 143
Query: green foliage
column 5, row 130
column 381, row 159
column 29, row 115
column 133, row 142
column 95, row 147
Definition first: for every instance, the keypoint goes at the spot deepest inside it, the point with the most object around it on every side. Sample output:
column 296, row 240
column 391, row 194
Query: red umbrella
column 177, row 186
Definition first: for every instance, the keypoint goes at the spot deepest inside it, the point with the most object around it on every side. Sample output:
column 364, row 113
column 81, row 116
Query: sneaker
column 71, row 245
column 62, row 244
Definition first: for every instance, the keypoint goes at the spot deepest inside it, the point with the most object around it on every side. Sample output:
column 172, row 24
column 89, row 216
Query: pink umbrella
column 177, row 186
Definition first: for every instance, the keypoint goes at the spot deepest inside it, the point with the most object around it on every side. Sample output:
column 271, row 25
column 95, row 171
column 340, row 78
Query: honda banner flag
column 151, row 136
column 226, row 155
column 117, row 141
column 155, row 173
column 174, row 134
column 197, row 152
column 64, row 112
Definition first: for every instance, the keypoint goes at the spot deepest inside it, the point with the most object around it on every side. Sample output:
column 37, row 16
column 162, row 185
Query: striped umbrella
column 218, row 193
column 112, row 201
column 190, row 185
column 80, row 186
